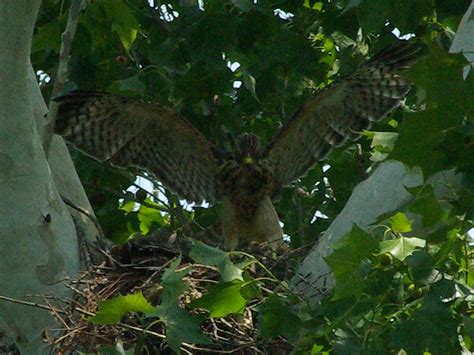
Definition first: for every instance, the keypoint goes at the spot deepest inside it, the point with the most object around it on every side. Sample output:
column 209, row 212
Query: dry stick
column 86, row 213
column 80, row 310
column 61, row 75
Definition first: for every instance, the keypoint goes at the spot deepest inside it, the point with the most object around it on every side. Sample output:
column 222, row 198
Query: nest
column 236, row 334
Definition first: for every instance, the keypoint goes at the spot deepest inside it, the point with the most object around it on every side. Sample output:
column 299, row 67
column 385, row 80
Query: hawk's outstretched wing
column 338, row 113
column 131, row 132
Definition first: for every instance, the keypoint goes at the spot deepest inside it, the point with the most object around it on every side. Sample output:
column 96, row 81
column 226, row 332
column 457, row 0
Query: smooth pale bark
column 63, row 170
column 464, row 40
column 383, row 192
column 35, row 254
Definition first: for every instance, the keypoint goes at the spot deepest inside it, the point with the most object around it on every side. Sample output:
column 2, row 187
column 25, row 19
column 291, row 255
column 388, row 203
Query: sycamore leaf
column 430, row 323
column 400, row 223
column 277, row 318
column 173, row 284
column 347, row 264
column 111, row 311
column 180, row 326
column 382, row 144
column 124, row 22
column 421, row 134
column 47, row 37
column 132, row 84
column 222, row 299
column 207, row 255
column 147, row 216
column 426, row 204
column 318, row 350
column 401, row 247
column 310, row 4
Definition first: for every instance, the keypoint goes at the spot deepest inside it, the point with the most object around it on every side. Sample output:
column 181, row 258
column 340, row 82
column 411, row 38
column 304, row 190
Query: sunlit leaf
column 400, row 223
column 124, row 22
column 222, row 299
column 111, row 311
column 401, row 247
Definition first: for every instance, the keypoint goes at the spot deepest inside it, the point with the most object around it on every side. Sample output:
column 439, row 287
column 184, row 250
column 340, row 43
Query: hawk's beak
column 248, row 160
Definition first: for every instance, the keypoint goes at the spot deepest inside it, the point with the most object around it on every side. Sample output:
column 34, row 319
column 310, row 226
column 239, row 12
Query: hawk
column 129, row 132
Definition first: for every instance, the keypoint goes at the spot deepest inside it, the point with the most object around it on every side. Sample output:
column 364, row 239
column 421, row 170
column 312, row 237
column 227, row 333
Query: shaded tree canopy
column 238, row 66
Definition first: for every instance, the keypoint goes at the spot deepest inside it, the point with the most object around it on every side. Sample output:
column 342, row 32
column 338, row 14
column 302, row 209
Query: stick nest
column 130, row 269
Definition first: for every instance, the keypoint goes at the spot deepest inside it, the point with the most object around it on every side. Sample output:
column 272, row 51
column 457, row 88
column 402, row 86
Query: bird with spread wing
column 129, row 132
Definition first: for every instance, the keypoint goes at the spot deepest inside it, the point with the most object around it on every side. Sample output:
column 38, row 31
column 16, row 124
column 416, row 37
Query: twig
column 61, row 75
column 80, row 310
column 26, row 303
column 86, row 213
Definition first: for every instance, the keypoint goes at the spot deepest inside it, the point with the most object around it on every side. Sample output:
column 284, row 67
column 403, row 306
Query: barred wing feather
column 130, row 132
column 338, row 113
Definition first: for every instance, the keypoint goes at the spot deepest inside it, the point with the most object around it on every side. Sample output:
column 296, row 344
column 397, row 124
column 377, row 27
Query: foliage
column 406, row 282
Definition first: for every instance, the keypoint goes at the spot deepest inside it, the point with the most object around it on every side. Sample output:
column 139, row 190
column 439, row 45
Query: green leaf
column 147, row 216
column 318, row 350
column 124, row 22
column 347, row 265
column 173, row 284
column 314, row 5
column 421, row 140
column 250, row 290
column 207, row 255
column 181, row 326
column 128, row 206
column 48, row 37
column 222, row 299
column 400, row 223
column 277, row 318
column 427, row 205
column 111, row 311
column 401, row 247
column 372, row 14
column 382, row 144
column 432, row 327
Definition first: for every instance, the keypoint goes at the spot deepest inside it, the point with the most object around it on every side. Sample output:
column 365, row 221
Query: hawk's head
column 247, row 148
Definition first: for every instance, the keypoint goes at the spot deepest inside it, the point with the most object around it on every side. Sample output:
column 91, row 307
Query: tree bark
column 38, row 241
column 383, row 192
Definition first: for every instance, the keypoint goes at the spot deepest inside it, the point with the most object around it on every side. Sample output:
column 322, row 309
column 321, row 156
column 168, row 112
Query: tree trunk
column 383, row 192
column 39, row 245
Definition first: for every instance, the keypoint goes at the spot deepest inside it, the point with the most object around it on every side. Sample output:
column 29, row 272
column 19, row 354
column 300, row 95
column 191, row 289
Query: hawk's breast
column 245, row 185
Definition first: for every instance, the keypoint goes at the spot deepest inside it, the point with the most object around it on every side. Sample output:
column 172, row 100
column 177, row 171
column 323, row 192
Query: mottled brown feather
column 130, row 132
column 338, row 113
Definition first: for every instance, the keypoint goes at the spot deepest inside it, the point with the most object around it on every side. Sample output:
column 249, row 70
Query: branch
column 86, row 213
column 61, row 75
